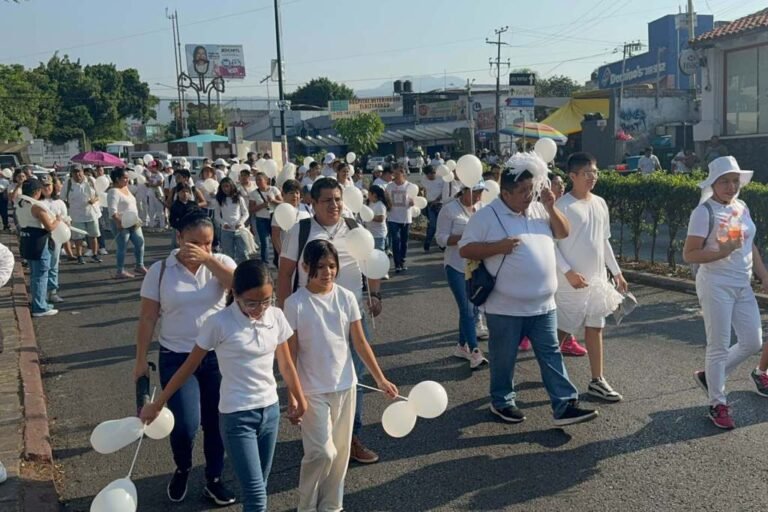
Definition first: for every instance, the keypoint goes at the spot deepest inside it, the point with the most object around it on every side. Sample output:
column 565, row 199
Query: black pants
column 4, row 210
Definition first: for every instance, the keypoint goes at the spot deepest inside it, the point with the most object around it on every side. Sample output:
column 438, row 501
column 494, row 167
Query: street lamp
column 201, row 65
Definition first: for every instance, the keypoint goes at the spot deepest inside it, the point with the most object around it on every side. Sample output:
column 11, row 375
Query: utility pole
column 179, row 67
column 499, row 43
column 281, row 94
column 628, row 49
column 691, row 36
column 470, row 116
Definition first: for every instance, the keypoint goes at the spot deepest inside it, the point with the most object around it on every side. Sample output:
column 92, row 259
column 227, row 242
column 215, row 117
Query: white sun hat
column 719, row 167
column 330, row 157
column 220, row 161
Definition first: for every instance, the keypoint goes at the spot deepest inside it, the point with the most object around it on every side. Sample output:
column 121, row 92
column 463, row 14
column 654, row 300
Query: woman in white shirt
column 247, row 336
column 231, row 216
column 720, row 240
column 51, row 191
column 181, row 292
column 451, row 221
column 119, row 202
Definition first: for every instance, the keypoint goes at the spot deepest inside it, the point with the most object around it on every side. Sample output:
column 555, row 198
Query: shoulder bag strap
column 711, row 223
column 505, row 232
column 305, row 225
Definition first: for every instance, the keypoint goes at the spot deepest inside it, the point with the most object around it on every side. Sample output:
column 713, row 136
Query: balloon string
column 380, row 391
column 136, row 455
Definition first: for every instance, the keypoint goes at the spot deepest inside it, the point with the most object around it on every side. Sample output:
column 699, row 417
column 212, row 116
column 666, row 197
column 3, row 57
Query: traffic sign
column 522, row 79
column 688, row 61
column 521, row 102
column 522, row 91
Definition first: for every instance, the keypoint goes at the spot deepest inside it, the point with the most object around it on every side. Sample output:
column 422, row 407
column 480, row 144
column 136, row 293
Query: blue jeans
column 431, row 212
column 360, row 370
column 233, row 246
column 104, row 225
column 380, row 243
column 53, row 272
column 505, row 335
column 121, row 240
column 398, row 237
column 263, row 229
column 38, row 281
column 195, row 404
column 250, row 438
column 467, row 310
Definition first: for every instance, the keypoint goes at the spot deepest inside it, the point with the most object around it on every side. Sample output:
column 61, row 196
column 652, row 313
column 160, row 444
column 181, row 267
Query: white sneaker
column 55, row 298
column 481, row 330
column 103, row 251
column 461, row 351
column 50, row 312
column 476, row 359
column 88, row 253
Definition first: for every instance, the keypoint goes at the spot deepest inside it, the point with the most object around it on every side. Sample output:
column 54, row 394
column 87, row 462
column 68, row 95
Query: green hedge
column 648, row 204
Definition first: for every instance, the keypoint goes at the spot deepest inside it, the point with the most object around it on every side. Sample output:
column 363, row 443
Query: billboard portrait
column 212, row 60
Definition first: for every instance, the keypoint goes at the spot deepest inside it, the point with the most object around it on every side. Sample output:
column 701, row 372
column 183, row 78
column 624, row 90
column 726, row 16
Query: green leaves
column 318, row 92
column 361, row 132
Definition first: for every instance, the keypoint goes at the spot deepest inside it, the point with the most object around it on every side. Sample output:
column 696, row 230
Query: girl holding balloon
column 324, row 316
column 247, row 336
column 379, row 203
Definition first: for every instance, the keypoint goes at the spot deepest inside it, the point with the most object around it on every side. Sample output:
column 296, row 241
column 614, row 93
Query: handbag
column 481, row 282
column 32, row 242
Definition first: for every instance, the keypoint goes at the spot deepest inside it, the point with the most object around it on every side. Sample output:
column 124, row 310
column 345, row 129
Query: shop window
column 746, row 91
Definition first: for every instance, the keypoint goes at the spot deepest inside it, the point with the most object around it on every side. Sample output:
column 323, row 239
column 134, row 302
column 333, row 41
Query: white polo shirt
column 433, row 188
column 260, row 197
column 186, row 299
column 526, row 284
column 245, row 349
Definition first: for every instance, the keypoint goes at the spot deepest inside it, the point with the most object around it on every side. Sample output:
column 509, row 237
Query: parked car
column 373, row 162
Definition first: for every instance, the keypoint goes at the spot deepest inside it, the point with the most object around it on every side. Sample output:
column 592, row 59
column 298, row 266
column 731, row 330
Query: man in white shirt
column 83, row 203
column 222, row 169
column 433, row 189
column 648, row 163
column 400, row 218
column 436, row 161
column 262, row 202
column 514, row 237
column 328, row 170
column 582, row 258
column 312, row 173
column 385, row 179
column 376, row 175
column 328, row 224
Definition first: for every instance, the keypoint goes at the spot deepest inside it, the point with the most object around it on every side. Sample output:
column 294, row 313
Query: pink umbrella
column 97, row 158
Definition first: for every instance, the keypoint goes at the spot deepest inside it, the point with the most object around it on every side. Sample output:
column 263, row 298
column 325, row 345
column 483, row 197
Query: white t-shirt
column 231, row 213
column 322, row 322
column 450, row 189
column 186, row 299
column 328, row 172
column 452, row 220
column 120, row 203
column 648, row 164
column 349, row 276
column 78, row 195
column 433, row 188
column 526, row 284
column 57, row 207
column 401, row 203
column 584, row 247
column 220, row 174
column 736, row 269
column 301, row 213
column 246, row 190
column 435, row 162
column 245, row 349
column 307, row 182
column 381, row 183
column 269, row 195
column 378, row 229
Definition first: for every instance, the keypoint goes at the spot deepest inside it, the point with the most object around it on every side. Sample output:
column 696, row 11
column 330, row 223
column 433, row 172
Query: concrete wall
column 640, row 116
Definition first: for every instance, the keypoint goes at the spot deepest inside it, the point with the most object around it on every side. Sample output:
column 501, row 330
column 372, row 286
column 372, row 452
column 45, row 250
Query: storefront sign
column 385, row 106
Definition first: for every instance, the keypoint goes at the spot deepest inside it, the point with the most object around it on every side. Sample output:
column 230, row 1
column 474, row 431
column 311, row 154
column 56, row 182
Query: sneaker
column 462, row 352
column 88, row 253
column 701, row 380
column 142, row 271
column 50, row 312
column 525, row 345
column 217, row 493
column 55, row 298
column 476, row 359
column 571, row 347
column 403, row 268
column 177, row 487
column 103, row 251
column 124, row 275
column 96, row 259
column 601, row 389
column 574, row 414
column 510, row 414
column 481, row 331
column 80, row 260
column 398, row 270
column 761, row 381
column 721, row 417
column 361, row 453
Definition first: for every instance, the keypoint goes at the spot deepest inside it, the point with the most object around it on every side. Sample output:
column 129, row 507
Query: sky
column 363, row 43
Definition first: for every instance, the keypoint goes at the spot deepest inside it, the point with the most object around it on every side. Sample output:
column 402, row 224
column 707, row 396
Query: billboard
column 212, row 60
column 385, row 106
column 441, row 111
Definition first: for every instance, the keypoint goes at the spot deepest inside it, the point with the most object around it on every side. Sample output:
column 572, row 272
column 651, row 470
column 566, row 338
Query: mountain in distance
column 420, row 84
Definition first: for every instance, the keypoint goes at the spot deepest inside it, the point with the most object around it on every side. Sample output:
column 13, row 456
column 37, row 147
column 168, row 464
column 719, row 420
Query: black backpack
column 305, row 225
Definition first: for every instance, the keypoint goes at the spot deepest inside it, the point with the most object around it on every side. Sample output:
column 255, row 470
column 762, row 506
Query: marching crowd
column 530, row 266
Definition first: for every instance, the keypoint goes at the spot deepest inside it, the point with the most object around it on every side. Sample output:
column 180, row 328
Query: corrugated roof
column 747, row 23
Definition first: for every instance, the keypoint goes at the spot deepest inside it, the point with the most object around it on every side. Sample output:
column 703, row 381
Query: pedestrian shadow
column 94, row 358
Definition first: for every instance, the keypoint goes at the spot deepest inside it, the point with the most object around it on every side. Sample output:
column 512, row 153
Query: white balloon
column 138, row 169
column 376, row 265
column 351, row 157
column 398, row 419
column 415, row 212
column 546, row 149
column 308, row 161
column 102, row 182
column 412, row 190
column 360, row 243
column 448, row 177
column 428, row 399
column 211, row 186
column 110, row 436
column 366, row 214
column 129, row 219
column 443, row 170
column 353, row 199
column 469, row 170
column 103, row 196
column 119, row 496
column 288, row 173
column 420, row 202
column 491, row 191
column 234, row 170
column 451, row 165
column 285, row 216
column 131, row 176
column 259, row 164
column 7, row 173
column 148, row 159
column 61, row 234
column 270, row 168
column 140, row 179
column 162, row 426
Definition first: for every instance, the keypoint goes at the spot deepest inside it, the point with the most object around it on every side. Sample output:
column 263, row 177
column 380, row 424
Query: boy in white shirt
column 400, row 218
column 582, row 258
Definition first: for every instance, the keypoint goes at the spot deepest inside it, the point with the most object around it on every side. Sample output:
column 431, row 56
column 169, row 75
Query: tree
column 557, row 86
column 361, row 132
column 319, row 91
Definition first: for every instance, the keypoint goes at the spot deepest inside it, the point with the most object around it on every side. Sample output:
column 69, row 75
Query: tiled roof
column 741, row 25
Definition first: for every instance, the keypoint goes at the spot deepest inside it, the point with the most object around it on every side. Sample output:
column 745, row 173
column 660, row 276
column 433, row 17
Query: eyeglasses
column 255, row 305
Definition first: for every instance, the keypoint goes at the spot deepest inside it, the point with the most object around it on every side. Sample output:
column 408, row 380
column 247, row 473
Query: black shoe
column 701, row 379
column 217, row 493
column 575, row 414
column 95, row 259
column 403, row 268
column 177, row 487
column 80, row 260
column 510, row 414
column 398, row 270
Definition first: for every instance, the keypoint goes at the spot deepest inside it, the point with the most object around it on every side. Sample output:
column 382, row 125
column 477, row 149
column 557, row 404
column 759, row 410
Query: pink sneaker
column 525, row 344
column 571, row 347
column 721, row 417
column 124, row 275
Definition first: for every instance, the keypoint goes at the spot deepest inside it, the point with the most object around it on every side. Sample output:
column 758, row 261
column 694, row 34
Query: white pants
column 326, row 433
column 156, row 211
column 723, row 307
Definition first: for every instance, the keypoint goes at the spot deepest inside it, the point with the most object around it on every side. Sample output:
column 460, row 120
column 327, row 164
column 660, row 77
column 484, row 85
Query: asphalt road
column 656, row 450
